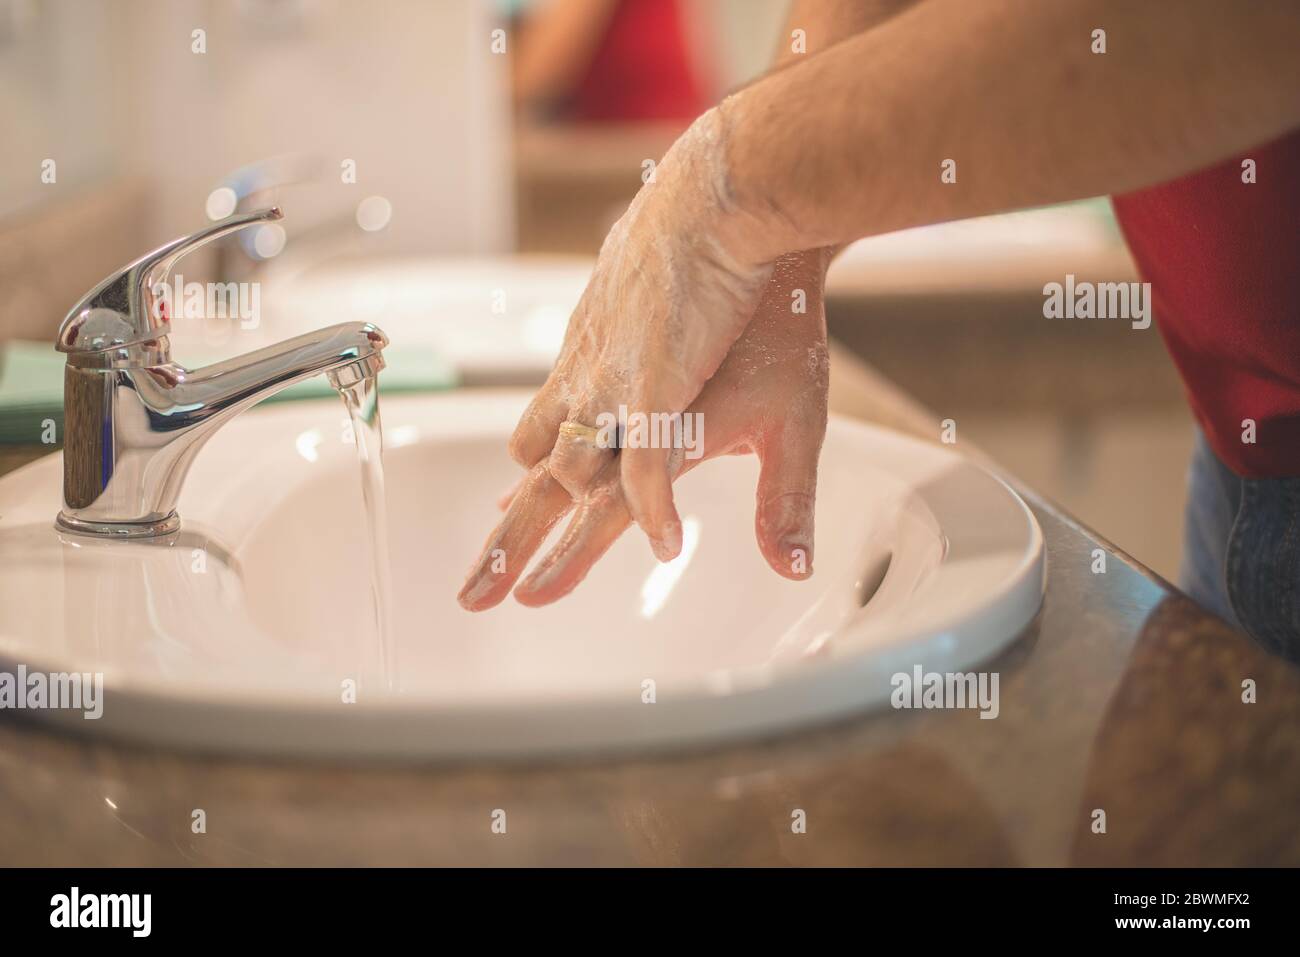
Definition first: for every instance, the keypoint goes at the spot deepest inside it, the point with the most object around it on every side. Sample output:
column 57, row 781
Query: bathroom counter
column 1123, row 697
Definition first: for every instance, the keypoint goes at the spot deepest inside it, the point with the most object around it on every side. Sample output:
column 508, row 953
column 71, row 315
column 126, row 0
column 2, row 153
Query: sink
column 251, row 630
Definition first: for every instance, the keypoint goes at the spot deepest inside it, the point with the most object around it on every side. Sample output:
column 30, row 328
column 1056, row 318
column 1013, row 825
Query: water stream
column 362, row 402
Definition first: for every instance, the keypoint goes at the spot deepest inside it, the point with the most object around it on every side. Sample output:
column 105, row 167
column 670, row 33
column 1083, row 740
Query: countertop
column 1123, row 696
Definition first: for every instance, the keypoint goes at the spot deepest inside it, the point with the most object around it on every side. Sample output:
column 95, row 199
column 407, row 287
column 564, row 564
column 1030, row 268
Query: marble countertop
column 1122, row 697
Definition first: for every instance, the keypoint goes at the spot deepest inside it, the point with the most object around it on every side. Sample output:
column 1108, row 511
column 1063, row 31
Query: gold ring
column 580, row 432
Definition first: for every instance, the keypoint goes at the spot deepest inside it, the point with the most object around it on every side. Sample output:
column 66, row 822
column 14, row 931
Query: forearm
column 821, row 25
column 849, row 143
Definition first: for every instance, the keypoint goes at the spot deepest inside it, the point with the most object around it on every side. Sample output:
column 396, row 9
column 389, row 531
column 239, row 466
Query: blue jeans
column 1241, row 550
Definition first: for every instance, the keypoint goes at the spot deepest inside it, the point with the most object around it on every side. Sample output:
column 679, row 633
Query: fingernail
column 539, row 578
column 798, row 556
column 475, row 589
column 669, row 545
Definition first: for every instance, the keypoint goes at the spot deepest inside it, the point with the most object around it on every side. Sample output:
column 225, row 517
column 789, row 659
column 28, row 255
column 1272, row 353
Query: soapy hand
column 768, row 397
column 676, row 282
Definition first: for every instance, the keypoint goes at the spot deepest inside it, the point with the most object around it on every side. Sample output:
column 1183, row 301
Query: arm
column 1010, row 90
column 826, row 23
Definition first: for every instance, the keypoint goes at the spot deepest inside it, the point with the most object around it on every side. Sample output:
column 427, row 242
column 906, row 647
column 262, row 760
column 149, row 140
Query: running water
column 362, row 402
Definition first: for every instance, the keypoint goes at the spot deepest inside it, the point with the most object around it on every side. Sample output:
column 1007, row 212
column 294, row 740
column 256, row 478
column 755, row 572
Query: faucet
column 134, row 420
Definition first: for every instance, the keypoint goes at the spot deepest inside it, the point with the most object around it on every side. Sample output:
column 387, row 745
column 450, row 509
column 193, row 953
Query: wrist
column 760, row 213
column 700, row 171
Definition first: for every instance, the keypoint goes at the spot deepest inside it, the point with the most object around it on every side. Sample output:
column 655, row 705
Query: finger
column 541, row 503
column 648, row 489
column 787, row 491
column 581, row 451
column 598, row 522
column 535, row 434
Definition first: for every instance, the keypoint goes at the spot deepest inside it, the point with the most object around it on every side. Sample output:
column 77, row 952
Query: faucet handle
column 121, row 311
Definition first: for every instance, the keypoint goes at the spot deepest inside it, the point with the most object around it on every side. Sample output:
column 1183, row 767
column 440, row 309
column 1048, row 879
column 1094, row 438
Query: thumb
column 787, row 491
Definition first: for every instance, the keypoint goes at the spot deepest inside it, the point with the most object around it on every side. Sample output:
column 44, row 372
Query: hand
column 676, row 282
column 768, row 397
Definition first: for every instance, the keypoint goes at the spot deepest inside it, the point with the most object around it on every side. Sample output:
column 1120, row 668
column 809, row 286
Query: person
column 908, row 112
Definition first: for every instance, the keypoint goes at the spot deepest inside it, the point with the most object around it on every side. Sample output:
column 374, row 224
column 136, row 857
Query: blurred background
column 452, row 167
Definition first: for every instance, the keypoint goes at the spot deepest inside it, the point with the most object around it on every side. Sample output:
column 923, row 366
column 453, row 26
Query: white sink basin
column 242, row 633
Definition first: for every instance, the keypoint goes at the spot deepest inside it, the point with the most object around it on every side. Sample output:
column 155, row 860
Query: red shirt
column 642, row 69
column 1223, row 260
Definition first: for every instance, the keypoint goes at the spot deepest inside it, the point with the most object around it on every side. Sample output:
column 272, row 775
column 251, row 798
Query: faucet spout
column 210, row 396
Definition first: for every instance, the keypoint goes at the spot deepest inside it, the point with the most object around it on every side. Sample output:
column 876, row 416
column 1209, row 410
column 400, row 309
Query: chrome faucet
column 134, row 419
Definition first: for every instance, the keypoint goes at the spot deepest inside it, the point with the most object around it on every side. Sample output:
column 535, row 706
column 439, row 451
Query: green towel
column 31, row 385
